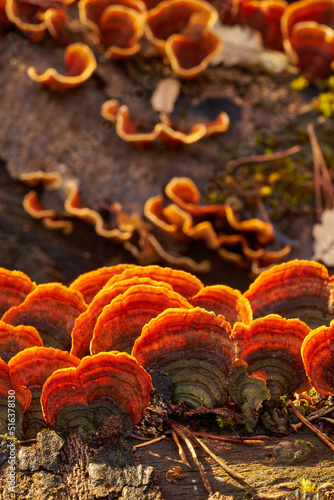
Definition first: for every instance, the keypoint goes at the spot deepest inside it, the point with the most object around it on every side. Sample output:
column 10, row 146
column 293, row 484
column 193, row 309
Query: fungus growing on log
column 126, row 129
column 312, row 49
column 194, row 348
column 74, row 206
column 318, row 356
column 121, row 322
column 14, row 339
column 29, row 17
column 190, row 56
column 83, row 330
column 4, row 21
column 224, row 300
column 248, row 392
column 102, row 385
column 80, row 63
column 52, row 309
column 184, row 283
column 90, row 12
column 14, row 287
column 272, row 344
column 296, row 289
column 17, row 399
column 173, row 16
column 308, row 36
column 241, row 242
column 121, row 28
column 264, row 16
column 30, row 368
column 90, row 283
column 166, row 130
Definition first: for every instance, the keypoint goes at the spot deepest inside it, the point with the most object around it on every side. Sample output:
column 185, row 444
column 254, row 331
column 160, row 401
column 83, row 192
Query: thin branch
column 232, row 439
column 178, row 429
column 147, row 443
column 234, row 475
column 27, row 441
column 179, row 447
column 315, row 415
column 316, row 431
column 321, row 169
column 257, row 158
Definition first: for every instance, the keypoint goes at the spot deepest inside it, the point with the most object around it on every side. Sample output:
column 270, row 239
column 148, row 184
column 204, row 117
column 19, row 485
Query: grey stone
column 27, row 458
column 113, row 471
column 48, row 446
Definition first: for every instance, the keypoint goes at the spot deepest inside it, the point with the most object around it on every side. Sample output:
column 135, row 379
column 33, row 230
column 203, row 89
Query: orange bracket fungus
column 102, row 385
column 4, row 21
column 264, row 16
column 296, row 289
column 194, row 348
column 120, row 28
column 83, row 330
column 90, row 12
column 14, row 401
column 272, row 344
column 224, row 300
column 90, row 283
column 318, row 357
column 14, row 339
column 30, row 369
column 184, row 283
column 76, row 208
column 14, row 287
column 248, row 392
column 171, row 17
column 126, row 129
column 237, row 241
column 121, row 322
column 189, row 56
column 52, row 309
column 80, row 63
column 165, row 130
column 35, row 18
column 308, row 35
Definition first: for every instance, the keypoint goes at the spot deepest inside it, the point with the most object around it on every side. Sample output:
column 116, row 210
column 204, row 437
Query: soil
column 65, row 132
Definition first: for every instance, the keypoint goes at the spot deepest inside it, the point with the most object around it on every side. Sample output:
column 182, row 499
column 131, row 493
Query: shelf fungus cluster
column 308, row 35
column 166, row 129
column 203, row 339
column 134, row 233
column 244, row 243
column 80, row 64
column 36, row 19
column 296, row 289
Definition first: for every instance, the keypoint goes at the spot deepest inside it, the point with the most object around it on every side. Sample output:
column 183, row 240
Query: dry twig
column 234, row 475
column 147, row 443
column 232, row 439
column 257, row 158
column 179, row 447
column 316, row 431
column 315, row 415
column 178, row 429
